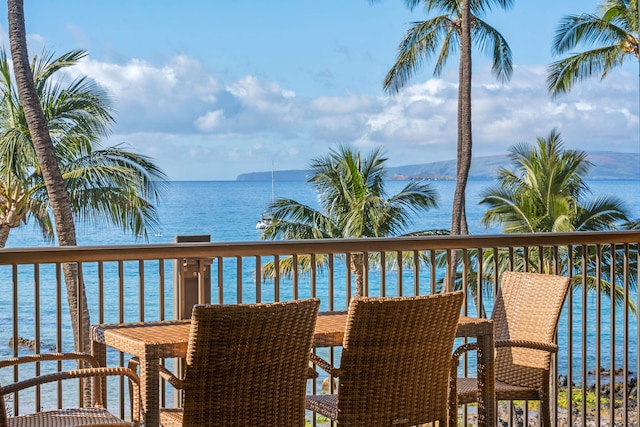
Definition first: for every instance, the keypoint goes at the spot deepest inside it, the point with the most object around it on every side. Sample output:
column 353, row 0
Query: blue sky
column 213, row 89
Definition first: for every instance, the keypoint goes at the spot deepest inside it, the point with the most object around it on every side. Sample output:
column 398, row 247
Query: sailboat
column 267, row 217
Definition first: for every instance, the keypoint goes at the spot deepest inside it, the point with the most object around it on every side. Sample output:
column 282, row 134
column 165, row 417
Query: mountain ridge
column 606, row 165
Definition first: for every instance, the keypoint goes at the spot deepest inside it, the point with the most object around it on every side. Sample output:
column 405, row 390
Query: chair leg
column 453, row 395
column 453, row 418
column 545, row 413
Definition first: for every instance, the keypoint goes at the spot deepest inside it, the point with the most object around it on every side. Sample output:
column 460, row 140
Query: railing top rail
column 10, row 256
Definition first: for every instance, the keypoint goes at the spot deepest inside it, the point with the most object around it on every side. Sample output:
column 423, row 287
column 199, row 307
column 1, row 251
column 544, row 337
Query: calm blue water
column 229, row 210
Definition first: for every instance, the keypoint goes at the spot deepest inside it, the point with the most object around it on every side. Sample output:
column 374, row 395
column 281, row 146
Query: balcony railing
column 597, row 337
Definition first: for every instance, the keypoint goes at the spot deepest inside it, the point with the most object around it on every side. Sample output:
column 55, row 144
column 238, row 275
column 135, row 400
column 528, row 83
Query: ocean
column 228, row 211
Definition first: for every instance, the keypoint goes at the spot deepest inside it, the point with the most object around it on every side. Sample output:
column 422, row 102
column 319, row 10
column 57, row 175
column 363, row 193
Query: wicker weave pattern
column 77, row 417
column 395, row 362
column 528, row 308
column 91, row 416
column 525, row 319
column 246, row 365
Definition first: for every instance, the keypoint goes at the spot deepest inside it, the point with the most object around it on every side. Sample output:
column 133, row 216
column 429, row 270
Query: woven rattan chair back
column 527, row 308
column 247, row 365
column 396, row 360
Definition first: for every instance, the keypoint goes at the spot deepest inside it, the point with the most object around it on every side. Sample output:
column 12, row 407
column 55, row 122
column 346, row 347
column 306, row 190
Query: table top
column 170, row 337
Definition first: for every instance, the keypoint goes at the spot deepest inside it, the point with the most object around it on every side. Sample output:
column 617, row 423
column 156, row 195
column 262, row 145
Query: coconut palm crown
column 438, row 37
column 547, row 192
column 350, row 190
column 110, row 185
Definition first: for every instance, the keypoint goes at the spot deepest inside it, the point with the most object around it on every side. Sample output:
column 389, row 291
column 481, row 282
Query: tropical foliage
column 350, row 189
column 547, row 192
column 105, row 185
column 610, row 36
column 437, row 38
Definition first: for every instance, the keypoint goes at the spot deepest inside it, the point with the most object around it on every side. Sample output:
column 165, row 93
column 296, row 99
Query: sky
column 214, row 89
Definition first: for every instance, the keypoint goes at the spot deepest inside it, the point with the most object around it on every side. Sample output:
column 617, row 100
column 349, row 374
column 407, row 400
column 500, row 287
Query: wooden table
column 153, row 341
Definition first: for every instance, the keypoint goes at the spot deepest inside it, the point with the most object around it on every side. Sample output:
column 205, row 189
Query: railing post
column 187, row 291
column 187, row 280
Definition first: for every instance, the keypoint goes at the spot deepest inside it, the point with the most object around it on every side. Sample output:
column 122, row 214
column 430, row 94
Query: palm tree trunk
column 458, row 214
column 56, row 189
column 459, row 217
column 357, row 266
column 4, row 234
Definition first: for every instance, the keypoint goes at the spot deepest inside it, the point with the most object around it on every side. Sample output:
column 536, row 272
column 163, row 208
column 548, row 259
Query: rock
column 562, row 381
column 606, row 372
column 31, row 344
column 23, row 342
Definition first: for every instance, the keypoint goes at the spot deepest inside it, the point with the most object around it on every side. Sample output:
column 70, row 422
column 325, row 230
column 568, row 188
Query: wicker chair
column 525, row 319
column 246, row 365
column 90, row 416
column 395, row 362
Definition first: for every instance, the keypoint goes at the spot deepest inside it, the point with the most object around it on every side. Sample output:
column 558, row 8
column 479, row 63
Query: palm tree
column 460, row 25
column 42, row 157
column 350, row 188
column 110, row 185
column 47, row 163
column 610, row 36
column 547, row 192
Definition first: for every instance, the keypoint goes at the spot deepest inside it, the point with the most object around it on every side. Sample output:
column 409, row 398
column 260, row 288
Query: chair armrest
column 168, row 376
column 534, row 345
column 136, row 410
column 311, row 373
column 464, row 348
column 36, row 358
column 324, row 365
column 165, row 374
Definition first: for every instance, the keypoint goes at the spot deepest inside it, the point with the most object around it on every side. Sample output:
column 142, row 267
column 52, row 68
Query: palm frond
column 608, row 39
column 419, row 45
column 490, row 41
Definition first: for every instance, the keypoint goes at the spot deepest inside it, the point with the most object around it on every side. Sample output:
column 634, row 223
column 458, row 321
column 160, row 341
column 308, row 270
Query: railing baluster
column 365, row 273
column 14, row 309
column 625, row 338
column 36, row 303
column 569, row 305
column 295, row 279
column 598, row 328
column 416, row 273
column 59, row 326
column 330, row 283
column 400, row 277
column 239, row 279
column 612, row 341
column 141, row 290
column 584, row 333
column 383, row 274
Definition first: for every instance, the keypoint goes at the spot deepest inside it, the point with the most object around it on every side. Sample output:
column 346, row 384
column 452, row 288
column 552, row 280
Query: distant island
column 607, row 165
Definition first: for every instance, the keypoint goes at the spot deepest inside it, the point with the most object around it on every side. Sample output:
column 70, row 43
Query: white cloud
column 210, row 121
column 151, row 98
column 201, row 126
